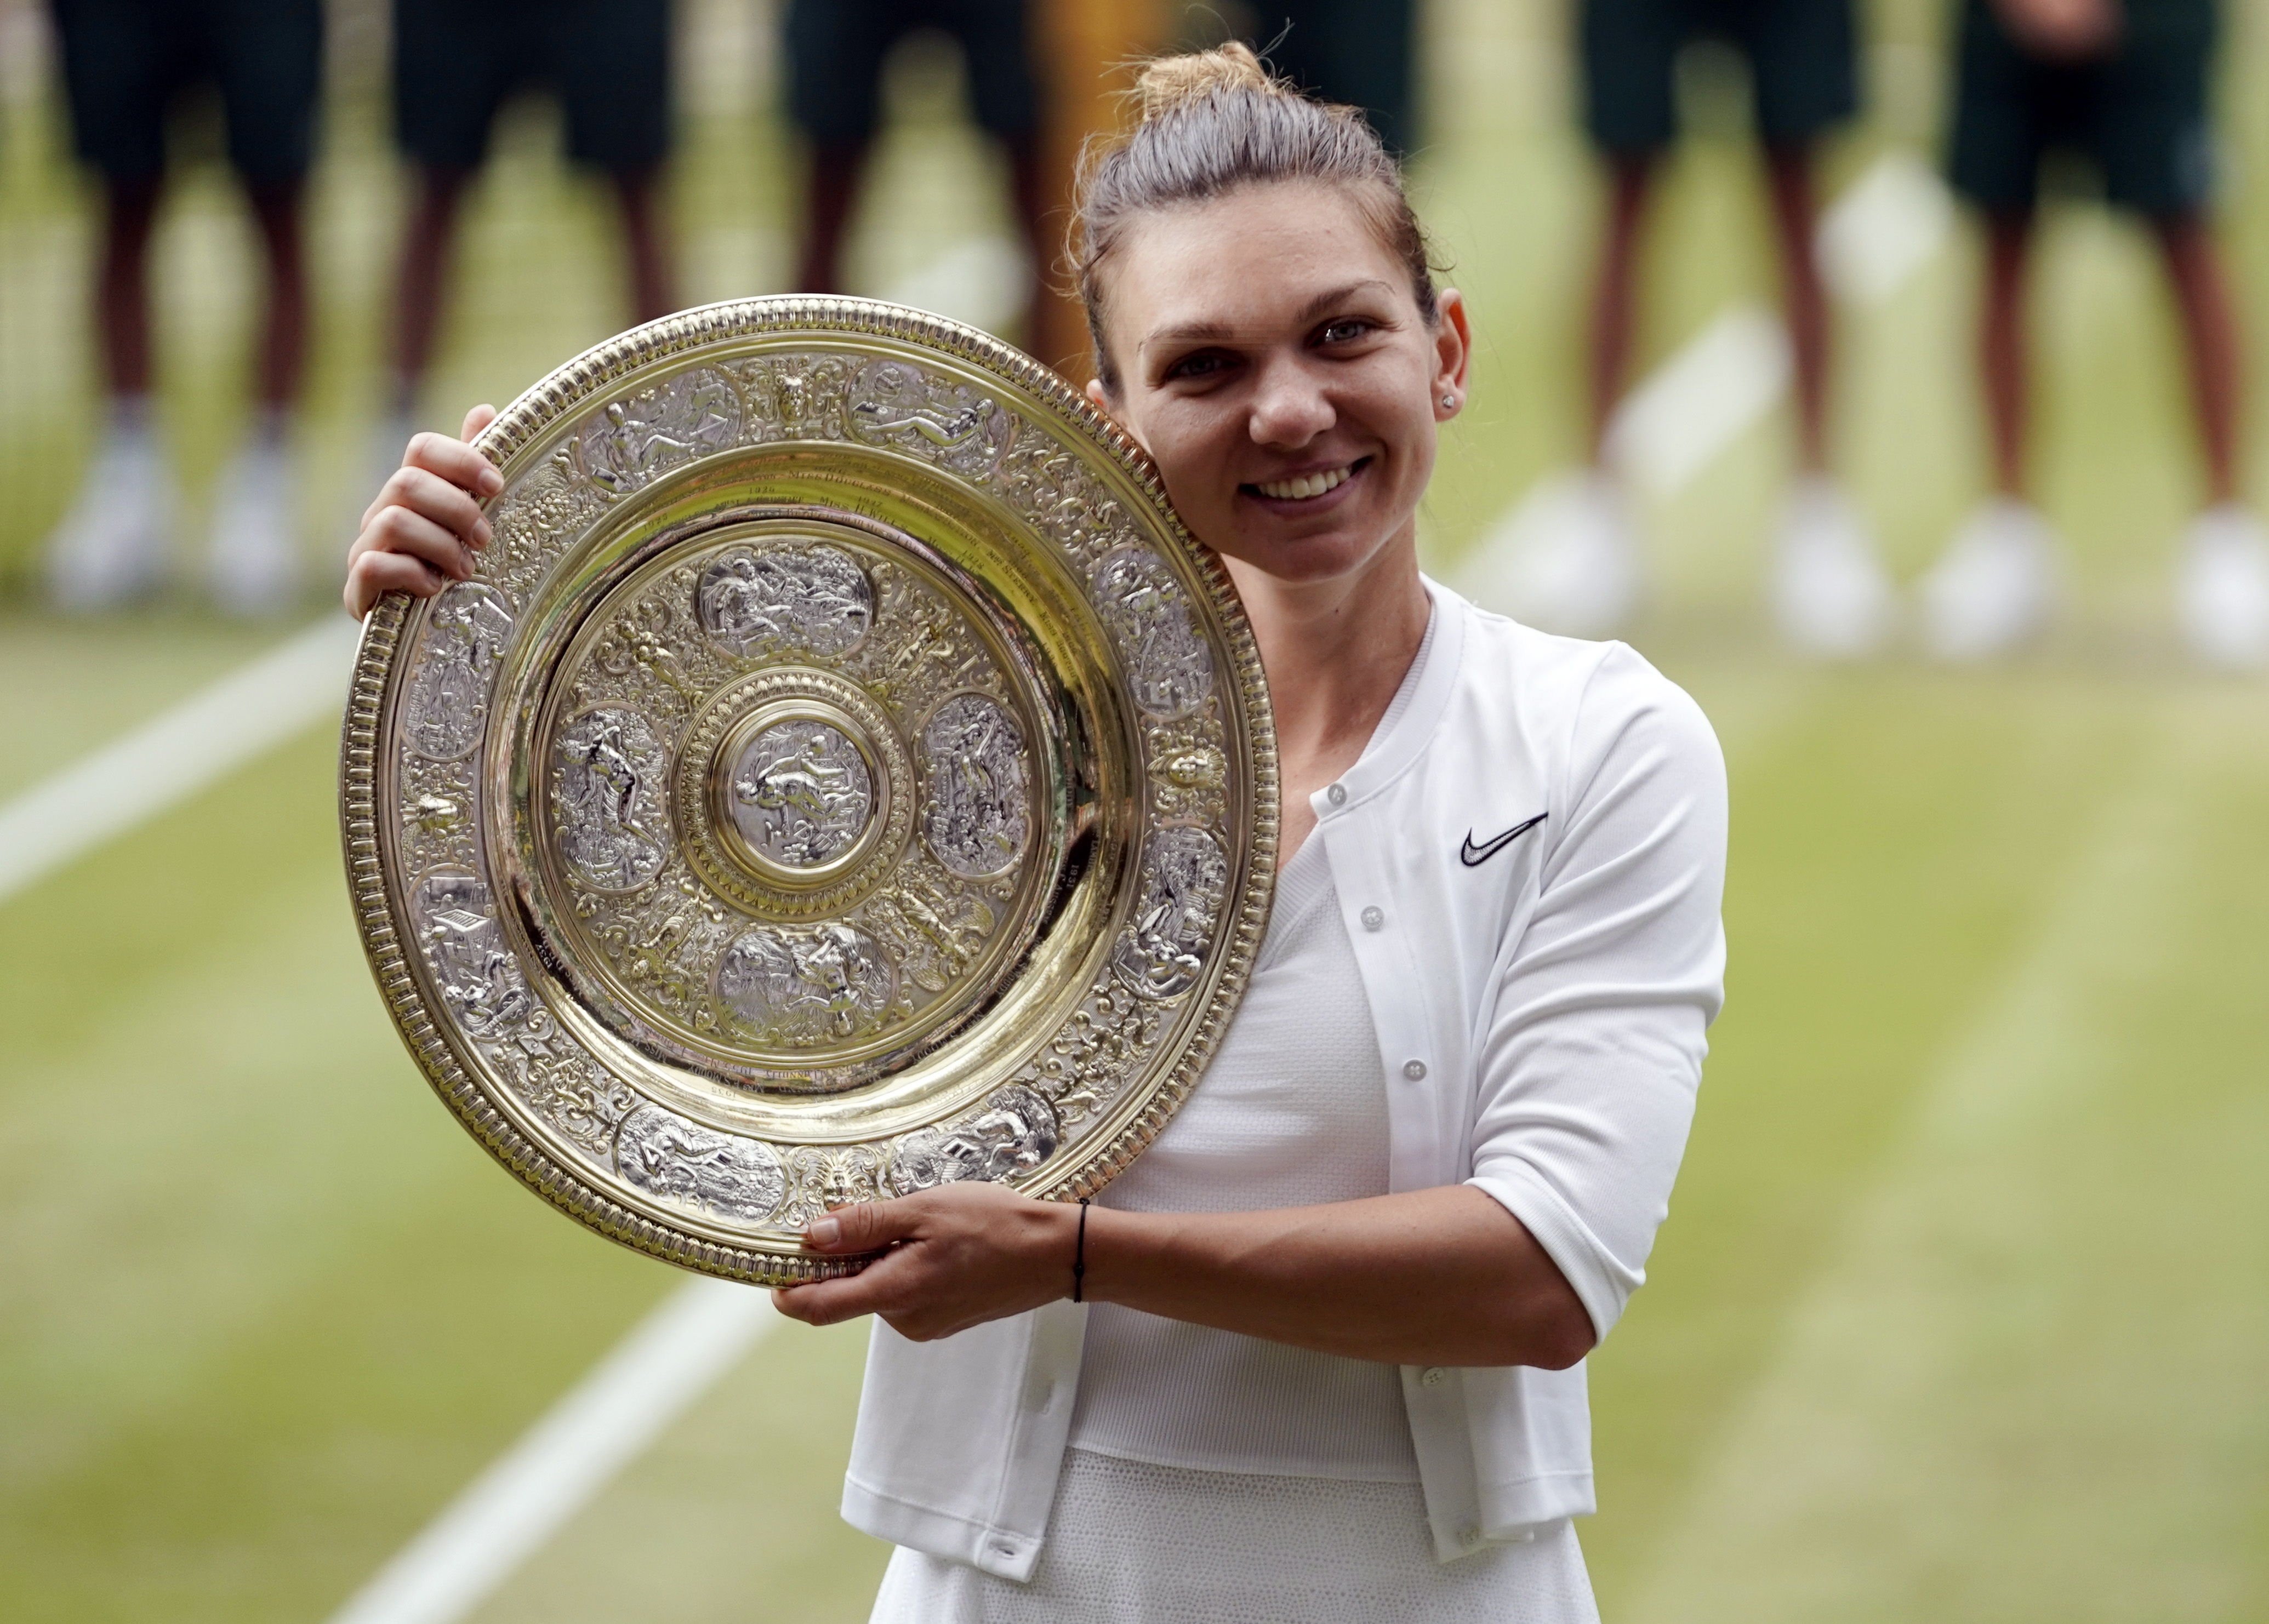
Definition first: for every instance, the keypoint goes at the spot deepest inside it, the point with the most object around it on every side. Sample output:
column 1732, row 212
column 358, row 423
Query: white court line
column 1689, row 409
column 511, row 1509
column 174, row 755
column 1887, row 225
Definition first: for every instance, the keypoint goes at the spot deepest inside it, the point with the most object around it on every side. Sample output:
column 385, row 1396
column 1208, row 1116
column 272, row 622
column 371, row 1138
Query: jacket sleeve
column 1591, row 1047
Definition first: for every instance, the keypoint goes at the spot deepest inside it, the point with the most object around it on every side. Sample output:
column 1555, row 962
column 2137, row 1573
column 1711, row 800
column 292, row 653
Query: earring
column 1449, row 403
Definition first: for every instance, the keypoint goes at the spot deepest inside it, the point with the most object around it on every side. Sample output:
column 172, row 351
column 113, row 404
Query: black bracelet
column 1079, row 1258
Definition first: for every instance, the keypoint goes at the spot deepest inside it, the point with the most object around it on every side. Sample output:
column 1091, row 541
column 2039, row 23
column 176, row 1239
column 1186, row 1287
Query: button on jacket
column 1529, row 863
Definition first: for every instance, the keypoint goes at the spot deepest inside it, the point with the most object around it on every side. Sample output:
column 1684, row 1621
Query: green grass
column 1957, row 1315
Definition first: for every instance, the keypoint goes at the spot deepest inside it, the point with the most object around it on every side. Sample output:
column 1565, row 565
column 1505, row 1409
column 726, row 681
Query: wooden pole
column 1083, row 47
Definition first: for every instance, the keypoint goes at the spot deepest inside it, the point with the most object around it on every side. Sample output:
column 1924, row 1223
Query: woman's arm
column 1444, row 1276
column 1585, row 1079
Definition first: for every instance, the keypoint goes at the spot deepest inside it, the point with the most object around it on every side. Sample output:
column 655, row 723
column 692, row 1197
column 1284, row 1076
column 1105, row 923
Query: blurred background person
column 2125, row 87
column 835, row 52
column 127, row 64
column 1829, row 592
column 456, row 63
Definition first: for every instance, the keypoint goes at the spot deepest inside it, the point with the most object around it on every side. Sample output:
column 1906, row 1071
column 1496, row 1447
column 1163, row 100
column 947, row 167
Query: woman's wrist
column 1079, row 1257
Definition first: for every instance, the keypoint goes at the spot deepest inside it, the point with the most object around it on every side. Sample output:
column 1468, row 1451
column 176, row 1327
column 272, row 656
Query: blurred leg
column 830, row 195
column 2210, row 335
column 276, row 208
column 1028, row 195
column 1996, row 585
column 646, row 241
column 122, row 289
column 1829, row 592
column 1631, row 180
column 428, row 241
column 111, row 546
column 255, row 561
column 2222, row 583
column 2002, row 352
column 1788, row 172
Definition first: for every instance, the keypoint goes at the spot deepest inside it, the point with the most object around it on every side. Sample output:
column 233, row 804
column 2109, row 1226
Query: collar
column 1410, row 722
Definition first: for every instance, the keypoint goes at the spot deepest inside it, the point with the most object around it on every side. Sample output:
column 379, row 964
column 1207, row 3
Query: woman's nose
column 1289, row 406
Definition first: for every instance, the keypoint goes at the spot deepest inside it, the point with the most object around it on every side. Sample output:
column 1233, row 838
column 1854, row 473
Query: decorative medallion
column 842, row 776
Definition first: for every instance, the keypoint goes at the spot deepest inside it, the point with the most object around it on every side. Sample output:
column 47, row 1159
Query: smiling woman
column 1442, row 1127
column 1317, row 1354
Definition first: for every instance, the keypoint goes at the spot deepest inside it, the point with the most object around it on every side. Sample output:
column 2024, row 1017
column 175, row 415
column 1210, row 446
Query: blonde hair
column 1214, row 121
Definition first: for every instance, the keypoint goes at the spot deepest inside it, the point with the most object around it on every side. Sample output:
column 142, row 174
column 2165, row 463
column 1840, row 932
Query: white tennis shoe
column 1829, row 594
column 2221, row 588
column 1995, row 587
column 112, row 546
column 254, row 566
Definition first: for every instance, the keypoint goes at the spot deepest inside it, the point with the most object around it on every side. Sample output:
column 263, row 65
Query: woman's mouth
column 1307, row 487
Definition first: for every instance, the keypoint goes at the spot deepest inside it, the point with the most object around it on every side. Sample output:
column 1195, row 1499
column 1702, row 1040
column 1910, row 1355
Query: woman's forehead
column 1258, row 255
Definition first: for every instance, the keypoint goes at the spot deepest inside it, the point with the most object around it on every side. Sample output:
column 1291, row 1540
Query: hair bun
column 1169, row 82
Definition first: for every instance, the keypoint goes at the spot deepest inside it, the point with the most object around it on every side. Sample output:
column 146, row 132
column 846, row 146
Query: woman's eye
column 1345, row 330
column 1198, row 366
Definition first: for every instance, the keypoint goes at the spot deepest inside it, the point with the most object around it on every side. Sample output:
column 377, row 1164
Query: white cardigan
column 1540, row 1006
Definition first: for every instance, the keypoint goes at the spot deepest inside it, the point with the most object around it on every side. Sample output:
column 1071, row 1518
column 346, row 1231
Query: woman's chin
column 1308, row 560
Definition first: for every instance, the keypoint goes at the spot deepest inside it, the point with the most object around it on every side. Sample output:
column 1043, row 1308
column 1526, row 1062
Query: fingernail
column 825, row 1232
column 492, row 482
column 483, row 534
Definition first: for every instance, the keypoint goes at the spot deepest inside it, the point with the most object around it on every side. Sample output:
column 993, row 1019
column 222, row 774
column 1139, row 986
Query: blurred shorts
column 836, row 48
column 456, row 61
column 2138, row 116
column 127, row 62
column 1801, row 56
column 1360, row 52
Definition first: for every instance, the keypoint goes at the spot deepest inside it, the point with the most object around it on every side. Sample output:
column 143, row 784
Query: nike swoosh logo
column 1473, row 856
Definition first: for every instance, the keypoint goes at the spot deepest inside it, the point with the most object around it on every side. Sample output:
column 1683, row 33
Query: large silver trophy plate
column 842, row 775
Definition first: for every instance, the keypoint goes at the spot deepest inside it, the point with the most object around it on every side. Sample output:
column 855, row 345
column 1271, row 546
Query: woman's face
column 1274, row 363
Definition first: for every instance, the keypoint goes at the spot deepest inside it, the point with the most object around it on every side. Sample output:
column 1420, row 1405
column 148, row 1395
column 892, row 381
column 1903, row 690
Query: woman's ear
column 1453, row 352
column 1101, row 401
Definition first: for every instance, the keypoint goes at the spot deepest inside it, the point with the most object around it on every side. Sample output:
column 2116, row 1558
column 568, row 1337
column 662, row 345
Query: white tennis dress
column 1218, row 1478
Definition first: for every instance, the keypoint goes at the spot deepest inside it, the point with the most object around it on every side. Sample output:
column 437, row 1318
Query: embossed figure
column 1184, row 876
column 806, row 987
column 642, row 436
column 974, row 756
column 722, row 1173
column 1016, row 1132
column 449, row 700
column 814, row 598
column 479, row 980
column 897, row 403
column 1148, row 615
column 802, row 793
column 606, row 788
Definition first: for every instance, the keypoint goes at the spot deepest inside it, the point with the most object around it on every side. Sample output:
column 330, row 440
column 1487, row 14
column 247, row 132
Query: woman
column 1328, row 1362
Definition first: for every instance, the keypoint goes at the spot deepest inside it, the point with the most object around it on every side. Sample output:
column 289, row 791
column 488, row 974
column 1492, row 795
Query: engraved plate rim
column 501, row 1123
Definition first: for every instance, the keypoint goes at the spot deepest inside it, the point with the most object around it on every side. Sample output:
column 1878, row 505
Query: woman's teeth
column 1306, row 485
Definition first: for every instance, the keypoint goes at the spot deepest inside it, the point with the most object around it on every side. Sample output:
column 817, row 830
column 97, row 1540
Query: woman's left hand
column 957, row 1256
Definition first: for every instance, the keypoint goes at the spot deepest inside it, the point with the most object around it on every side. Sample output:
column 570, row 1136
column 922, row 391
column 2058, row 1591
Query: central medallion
column 799, row 793
column 795, row 791
column 797, row 770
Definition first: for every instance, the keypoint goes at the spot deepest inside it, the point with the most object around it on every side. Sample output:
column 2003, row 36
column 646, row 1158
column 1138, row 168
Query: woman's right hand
column 422, row 531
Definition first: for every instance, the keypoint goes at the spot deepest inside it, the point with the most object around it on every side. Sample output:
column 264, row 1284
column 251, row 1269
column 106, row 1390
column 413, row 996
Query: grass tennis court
column 1958, row 1315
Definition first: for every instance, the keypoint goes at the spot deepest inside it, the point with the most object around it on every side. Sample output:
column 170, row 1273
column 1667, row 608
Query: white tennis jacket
column 1540, row 1002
